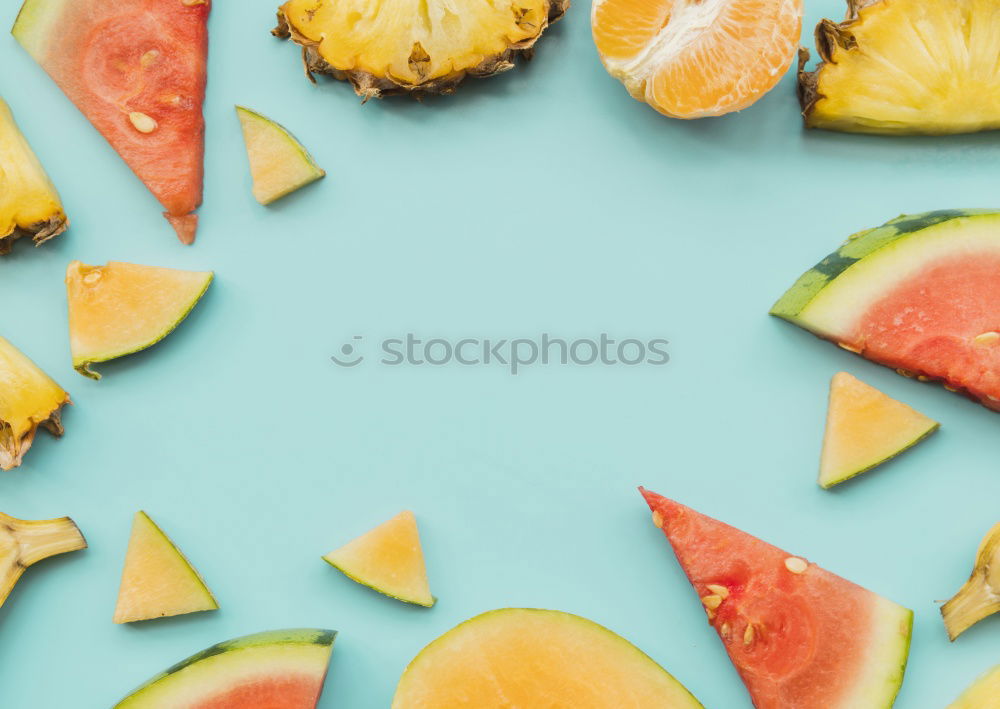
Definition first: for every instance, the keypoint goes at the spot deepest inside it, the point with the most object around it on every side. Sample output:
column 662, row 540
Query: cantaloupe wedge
column 983, row 694
column 279, row 164
column 865, row 428
column 157, row 580
column 121, row 308
column 388, row 559
column 518, row 657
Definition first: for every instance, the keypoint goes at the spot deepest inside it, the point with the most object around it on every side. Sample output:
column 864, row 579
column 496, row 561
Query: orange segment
column 697, row 58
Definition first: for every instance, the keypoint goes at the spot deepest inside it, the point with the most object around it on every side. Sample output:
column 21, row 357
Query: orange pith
column 697, row 58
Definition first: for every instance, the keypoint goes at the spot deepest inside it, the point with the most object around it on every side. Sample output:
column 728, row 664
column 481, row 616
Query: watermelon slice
column 865, row 428
column 800, row 637
column 280, row 669
column 388, row 559
column 157, row 580
column 919, row 294
column 137, row 71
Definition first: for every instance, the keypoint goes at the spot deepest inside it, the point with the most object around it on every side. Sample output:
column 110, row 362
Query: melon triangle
column 157, row 580
column 388, row 559
column 798, row 635
column 865, row 428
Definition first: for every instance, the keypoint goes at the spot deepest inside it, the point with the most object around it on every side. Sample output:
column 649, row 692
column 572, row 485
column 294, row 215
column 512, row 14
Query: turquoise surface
column 542, row 201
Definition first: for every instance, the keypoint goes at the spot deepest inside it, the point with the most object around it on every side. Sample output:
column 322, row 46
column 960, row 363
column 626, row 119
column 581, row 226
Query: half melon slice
column 919, row 294
column 158, row 581
column 983, row 694
column 798, row 635
column 388, row 559
column 121, row 308
column 137, row 71
column 29, row 398
column 518, row 657
column 865, row 428
column 280, row 669
column 279, row 164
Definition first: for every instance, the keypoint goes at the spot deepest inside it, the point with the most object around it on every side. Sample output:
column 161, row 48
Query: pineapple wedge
column 28, row 399
column 29, row 203
column 26, row 542
column 388, row 47
column 906, row 67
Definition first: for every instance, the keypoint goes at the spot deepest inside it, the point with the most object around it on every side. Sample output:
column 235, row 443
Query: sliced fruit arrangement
column 121, row 308
column 388, row 559
column 413, row 46
column 29, row 398
column 279, row 164
column 865, row 428
column 905, row 66
column 157, row 580
column 697, row 58
column 29, row 203
column 980, row 596
column 983, row 694
column 918, row 294
column 280, row 668
column 798, row 635
column 26, row 542
column 518, row 657
column 137, row 71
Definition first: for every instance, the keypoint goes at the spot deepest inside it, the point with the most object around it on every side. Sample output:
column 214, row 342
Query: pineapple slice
column 29, row 203
column 28, row 399
column 906, row 67
column 26, row 542
column 413, row 46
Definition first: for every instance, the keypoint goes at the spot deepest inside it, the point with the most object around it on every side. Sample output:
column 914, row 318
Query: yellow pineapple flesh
column 906, row 67
column 28, row 399
column 29, row 203
column 413, row 46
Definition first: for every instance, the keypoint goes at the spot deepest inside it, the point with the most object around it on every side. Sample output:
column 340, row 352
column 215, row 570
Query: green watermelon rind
column 280, row 641
column 887, row 669
column 796, row 299
column 36, row 24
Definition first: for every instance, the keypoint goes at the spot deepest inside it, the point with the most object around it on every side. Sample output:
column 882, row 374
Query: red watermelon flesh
column 124, row 62
column 267, row 692
column 799, row 636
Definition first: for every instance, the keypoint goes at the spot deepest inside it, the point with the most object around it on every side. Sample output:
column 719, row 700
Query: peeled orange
column 697, row 58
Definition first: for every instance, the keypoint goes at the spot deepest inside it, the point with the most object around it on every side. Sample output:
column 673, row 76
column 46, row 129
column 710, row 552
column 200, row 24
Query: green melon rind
column 427, row 652
column 263, row 651
column 37, row 24
column 294, row 143
column 82, row 363
column 791, row 305
column 368, row 584
column 828, row 481
column 883, row 671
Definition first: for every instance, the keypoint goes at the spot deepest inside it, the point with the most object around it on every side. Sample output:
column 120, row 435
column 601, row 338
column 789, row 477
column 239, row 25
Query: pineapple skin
column 372, row 84
column 29, row 203
column 852, row 90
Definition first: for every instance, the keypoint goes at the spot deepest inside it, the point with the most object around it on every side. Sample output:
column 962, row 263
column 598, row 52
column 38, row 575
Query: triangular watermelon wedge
column 800, row 637
column 137, row 71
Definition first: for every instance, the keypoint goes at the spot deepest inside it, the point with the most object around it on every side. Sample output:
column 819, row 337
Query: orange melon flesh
column 388, row 559
column 157, row 580
column 983, row 694
column 279, row 164
column 517, row 657
column 865, row 428
column 121, row 308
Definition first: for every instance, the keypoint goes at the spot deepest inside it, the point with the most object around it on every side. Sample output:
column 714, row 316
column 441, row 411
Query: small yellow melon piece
column 388, row 559
column 865, row 428
column 983, row 694
column 29, row 398
column 157, row 580
column 516, row 657
column 279, row 164
column 121, row 308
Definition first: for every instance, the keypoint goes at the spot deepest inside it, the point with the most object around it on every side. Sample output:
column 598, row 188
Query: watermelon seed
column 905, row 373
column 149, row 58
column 796, row 565
column 849, row 348
column 710, row 613
column 658, row 519
column 720, row 591
column 725, row 631
column 712, row 602
column 987, row 338
column 192, row 3
column 923, row 378
column 142, row 123
column 748, row 635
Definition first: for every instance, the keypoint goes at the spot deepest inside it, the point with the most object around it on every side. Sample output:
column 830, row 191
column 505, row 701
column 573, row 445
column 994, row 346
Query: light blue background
column 545, row 200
